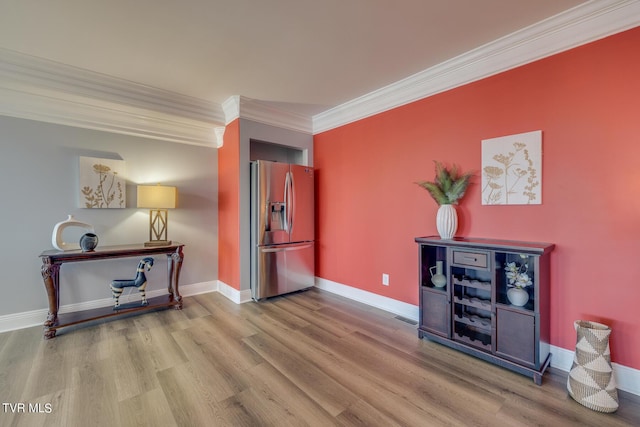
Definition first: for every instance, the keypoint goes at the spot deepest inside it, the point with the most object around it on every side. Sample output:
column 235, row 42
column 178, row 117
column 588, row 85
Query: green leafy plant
column 449, row 186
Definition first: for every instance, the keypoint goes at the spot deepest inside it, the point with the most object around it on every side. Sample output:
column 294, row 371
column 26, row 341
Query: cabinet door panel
column 436, row 312
column 516, row 336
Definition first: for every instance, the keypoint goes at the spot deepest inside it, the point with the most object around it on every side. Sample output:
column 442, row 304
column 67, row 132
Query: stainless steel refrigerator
column 282, row 228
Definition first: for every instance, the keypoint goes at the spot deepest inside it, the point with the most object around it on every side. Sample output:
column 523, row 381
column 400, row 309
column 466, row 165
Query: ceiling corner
column 265, row 112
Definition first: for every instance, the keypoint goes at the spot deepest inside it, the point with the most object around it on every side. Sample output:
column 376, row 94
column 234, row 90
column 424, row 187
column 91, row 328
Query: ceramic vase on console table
column 88, row 242
column 447, row 221
column 447, row 190
column 58, row 235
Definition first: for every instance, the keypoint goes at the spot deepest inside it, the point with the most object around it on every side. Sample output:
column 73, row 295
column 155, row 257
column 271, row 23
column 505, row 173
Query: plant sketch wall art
column 512, row 169
column 102, row 183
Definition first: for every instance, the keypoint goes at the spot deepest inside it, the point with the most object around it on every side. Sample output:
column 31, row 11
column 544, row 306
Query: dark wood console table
column 52, row 260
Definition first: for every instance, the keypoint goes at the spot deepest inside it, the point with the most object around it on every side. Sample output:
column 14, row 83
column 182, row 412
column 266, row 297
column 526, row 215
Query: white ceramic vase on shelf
column 447, row 221
column 518, row 296
column 438, row 279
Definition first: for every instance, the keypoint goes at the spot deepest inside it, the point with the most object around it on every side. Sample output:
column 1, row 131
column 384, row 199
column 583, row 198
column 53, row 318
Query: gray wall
column 39, row 185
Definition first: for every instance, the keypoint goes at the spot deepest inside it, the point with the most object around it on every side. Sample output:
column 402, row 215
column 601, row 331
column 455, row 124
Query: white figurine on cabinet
column 57, row 237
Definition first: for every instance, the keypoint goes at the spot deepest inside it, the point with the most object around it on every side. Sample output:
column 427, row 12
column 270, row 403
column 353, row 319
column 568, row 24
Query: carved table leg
column 50, row 276
column 177, row 258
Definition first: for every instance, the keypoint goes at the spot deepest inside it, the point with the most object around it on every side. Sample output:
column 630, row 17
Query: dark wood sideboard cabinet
column 472, row 312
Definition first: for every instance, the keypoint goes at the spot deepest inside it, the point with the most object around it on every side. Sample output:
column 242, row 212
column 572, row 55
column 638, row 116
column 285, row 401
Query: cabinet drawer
column 472, row 259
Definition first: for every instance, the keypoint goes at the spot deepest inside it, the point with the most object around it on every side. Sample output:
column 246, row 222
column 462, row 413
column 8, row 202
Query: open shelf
column 154, row 303
column 474, row 302
column 479, row 322
column 430, row 256
column 472, row 283
column 473, row 336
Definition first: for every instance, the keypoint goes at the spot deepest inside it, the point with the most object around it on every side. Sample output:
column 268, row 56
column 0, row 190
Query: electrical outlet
column 385, row 279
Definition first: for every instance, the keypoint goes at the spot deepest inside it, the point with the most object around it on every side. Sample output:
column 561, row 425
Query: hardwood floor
column 310, row 358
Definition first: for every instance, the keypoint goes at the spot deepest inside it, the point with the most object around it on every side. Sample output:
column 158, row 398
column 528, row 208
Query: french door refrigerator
column 282, row 228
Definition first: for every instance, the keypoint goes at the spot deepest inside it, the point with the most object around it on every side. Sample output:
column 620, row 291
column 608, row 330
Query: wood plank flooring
column 307, row 359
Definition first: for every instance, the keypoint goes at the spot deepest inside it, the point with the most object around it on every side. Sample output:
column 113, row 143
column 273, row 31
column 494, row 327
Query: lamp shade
column 157, row 197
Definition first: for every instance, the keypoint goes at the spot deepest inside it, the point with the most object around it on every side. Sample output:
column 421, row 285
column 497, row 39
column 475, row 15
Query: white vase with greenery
column 447, row 190
column 447, row 221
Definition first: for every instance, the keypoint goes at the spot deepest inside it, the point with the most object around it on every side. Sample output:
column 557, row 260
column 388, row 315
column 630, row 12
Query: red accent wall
column 587, row 103
column 229, row 206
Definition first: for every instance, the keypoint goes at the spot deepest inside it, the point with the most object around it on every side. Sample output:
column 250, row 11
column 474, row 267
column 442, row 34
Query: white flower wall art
column 102, row 183
column 512, row 169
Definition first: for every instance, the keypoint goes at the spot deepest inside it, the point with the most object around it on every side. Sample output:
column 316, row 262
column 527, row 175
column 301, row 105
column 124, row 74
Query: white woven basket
column 591, row 382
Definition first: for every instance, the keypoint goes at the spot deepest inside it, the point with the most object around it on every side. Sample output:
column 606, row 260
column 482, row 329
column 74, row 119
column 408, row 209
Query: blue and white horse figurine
column 140, row 282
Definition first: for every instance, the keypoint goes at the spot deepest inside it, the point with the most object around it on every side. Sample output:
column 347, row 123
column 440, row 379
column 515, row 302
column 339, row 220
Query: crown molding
column 39, row 89
column 577, row 26
column 263, row 112
column 231, row 108
column 219, row 132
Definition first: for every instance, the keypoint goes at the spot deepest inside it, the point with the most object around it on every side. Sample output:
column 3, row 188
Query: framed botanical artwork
column 102, row 183
column 512, row 169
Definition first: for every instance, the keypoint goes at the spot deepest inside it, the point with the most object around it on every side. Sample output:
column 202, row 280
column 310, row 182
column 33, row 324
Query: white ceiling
column 300, row 55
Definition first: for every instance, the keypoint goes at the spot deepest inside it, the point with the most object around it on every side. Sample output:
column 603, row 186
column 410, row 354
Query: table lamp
column 157, row 198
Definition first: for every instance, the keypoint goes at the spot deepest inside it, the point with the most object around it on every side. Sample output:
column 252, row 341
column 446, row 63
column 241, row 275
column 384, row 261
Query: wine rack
column 472, row 312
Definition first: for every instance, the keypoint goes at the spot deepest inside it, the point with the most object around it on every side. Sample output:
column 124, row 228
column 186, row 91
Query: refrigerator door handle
column 286, row 203
column 292, row 190
column 288, row 190
column 288, row 248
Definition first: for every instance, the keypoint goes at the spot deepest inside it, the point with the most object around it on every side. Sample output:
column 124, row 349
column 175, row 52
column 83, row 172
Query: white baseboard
column 27, row 319
column 628, row 379
column 400, row 308
column 239, row 297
